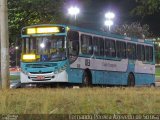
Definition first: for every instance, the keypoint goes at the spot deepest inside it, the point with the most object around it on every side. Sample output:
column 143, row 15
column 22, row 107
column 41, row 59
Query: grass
column 157, row 72
column 80, row 101
column 14, row 77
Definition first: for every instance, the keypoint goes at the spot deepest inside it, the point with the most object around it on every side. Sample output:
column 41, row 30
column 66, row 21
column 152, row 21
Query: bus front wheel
column 87, row 78
column 131, row 80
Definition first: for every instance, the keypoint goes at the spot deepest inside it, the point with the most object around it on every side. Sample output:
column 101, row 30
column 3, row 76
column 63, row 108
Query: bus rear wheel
column 131, row 80
column 152, row 85
column 87, row 78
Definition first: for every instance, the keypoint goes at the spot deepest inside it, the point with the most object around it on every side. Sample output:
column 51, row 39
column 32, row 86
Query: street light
column 109, row 15
column 109, row 21
column 74, row 11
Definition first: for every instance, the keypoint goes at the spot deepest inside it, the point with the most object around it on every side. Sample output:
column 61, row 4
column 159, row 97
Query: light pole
column 109, row 23
column 74, row 11
column 109, row 19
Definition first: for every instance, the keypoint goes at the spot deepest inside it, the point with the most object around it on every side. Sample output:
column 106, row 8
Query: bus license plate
column 40, row 77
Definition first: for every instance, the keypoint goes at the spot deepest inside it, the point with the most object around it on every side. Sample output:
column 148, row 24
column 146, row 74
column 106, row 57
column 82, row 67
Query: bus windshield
column 50, row 48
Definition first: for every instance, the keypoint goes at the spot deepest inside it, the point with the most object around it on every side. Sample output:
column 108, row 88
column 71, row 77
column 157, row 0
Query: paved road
column 15, row 84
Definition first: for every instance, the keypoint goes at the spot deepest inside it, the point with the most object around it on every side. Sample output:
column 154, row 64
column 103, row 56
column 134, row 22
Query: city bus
column 57, row 53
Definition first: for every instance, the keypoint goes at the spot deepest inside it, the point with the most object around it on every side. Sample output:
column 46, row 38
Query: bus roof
column 96, row 32
column 109, row 34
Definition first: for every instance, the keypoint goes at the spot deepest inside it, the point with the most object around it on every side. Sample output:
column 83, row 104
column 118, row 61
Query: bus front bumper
column 44, row 78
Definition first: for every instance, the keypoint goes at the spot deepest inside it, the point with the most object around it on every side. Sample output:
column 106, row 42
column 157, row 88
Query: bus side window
column 98, row 46
column 143, row 53
column 140, row 52
column 86, row 44
column 149, row 53
column 121, row 49
column 95, row 46
column 109, row 49
column 112, row 48
column 101, row 45
column 106, row 49
column 73, row 39
column 131, row 51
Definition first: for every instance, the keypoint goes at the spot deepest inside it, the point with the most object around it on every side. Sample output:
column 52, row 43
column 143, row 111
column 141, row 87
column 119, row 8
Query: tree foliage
column 28, row 12
column 134, row 29
column 146, row 7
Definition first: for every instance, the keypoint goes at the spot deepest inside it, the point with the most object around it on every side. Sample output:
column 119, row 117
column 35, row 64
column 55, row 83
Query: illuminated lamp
column 29, row 57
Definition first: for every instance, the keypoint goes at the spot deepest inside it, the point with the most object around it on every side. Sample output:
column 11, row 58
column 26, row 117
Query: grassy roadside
column 157, row 72
column 80, row 101
column 14, row 77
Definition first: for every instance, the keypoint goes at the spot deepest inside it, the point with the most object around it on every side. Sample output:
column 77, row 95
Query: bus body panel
column 100, row 64
column 75, row 75
column 144, row 79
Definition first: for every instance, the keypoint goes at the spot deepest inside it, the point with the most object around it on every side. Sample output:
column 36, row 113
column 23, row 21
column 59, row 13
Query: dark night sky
column 92, row 15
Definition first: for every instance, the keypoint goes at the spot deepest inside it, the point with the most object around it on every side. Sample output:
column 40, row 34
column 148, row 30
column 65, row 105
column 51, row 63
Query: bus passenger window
column 97, row 46
column 101, row 43
column 131, row 51
column 73, row 48
column 141, row 52
column 121, row 49
column 86, row 44
column 149, row 53
column 109, row 50
column 73, row 39
column 112, row 48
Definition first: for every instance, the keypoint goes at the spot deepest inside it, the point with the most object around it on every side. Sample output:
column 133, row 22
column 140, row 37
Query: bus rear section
column 111, row 59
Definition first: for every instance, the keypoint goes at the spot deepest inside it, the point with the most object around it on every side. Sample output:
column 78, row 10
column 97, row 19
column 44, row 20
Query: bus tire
column 87, row 78
column 152, row 85
column 131, row 80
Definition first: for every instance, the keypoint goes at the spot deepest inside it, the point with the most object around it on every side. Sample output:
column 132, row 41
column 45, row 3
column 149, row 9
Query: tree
column 146, row 7
column 134, row 29
column 28, row 12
